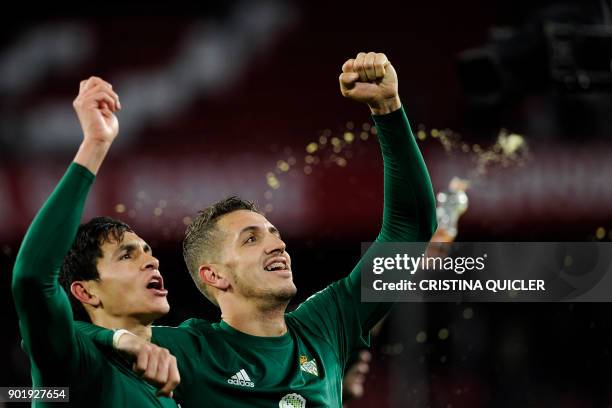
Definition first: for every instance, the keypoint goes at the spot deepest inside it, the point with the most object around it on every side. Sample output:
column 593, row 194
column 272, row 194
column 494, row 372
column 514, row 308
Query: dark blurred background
column 241, row 97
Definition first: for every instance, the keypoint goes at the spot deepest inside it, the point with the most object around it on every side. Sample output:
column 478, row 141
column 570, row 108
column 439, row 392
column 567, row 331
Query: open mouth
column 156, row 285
column 277, row 264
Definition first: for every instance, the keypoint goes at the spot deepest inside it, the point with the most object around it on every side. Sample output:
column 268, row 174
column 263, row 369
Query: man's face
column 253, row 257
column 130, row 283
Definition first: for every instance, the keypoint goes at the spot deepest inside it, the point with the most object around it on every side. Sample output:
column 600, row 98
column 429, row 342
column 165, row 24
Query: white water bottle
column 452, row 203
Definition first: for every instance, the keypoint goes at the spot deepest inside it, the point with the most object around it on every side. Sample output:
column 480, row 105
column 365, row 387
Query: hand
column 95, row 106
column 352, row 385
column 153, row 363
column 370, row 78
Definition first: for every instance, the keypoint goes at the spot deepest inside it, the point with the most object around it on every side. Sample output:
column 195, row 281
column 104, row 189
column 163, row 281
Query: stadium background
column 217, row 97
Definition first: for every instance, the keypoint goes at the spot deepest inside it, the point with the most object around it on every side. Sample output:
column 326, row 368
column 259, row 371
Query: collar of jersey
column 256, row 341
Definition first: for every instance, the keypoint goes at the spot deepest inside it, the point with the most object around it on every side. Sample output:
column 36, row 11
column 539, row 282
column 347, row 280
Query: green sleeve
column 181, row 341
column 99, row 335
column 409, row 215
column 43, row 307
column 409, row 212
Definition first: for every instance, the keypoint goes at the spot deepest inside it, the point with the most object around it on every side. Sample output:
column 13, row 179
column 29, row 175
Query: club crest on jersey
column 292, row 401
column 309, row 366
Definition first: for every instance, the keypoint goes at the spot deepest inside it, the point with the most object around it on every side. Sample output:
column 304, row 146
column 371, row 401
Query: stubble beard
column 270, row 296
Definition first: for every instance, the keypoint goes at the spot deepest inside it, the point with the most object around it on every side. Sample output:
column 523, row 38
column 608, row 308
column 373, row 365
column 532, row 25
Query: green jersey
column 221, row 366
column 61, row 355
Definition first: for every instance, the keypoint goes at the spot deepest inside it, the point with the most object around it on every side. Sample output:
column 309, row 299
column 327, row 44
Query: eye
column 250, row 239
column 127, row 255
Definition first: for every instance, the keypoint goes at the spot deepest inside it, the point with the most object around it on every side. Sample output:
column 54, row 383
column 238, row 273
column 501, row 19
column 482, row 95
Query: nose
column 275, row 245
column 151, row 262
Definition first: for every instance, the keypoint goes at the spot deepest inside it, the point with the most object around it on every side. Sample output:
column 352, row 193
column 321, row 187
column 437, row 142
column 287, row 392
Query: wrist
column 385, row 106
column 117, row 337
column 127, row 343
column 93, row 143
column 91, row 154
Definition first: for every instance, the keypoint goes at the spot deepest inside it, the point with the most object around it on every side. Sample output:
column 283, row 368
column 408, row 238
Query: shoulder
column 195, row 324
column 325, row 298
column 188, row 339
column 189, row 328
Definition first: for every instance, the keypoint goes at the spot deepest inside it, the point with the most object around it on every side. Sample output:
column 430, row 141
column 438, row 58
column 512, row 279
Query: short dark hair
column 80, row 262
column 200, row 240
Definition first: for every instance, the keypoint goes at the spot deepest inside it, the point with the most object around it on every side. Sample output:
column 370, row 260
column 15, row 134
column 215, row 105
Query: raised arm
column 409, row 204
column 45, row 316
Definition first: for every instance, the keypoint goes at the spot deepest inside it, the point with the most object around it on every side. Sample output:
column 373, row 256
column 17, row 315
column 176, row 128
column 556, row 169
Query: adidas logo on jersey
column 241, row 378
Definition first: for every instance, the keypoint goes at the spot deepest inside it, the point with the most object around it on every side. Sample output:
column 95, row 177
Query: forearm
column 53, row 229
column 42, row 305
column 409, row 203
column 121, row 340
column 100, row 335
column 409, row 206
column 146, row 356
column 409, row 213
column 91, row 154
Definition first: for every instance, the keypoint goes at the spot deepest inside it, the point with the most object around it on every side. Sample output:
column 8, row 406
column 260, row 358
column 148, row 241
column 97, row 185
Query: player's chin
column 151, row 313
column 288, row 291
column 159, row 307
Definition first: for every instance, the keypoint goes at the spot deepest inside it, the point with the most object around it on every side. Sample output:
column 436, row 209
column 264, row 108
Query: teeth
column 275, row 265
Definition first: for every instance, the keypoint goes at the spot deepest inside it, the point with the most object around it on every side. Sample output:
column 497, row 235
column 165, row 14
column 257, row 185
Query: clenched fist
column 95, row 106
column 153, row 363
column 370, row 78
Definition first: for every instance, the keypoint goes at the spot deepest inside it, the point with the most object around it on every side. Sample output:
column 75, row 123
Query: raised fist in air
column 95, row 106
column 370, row 78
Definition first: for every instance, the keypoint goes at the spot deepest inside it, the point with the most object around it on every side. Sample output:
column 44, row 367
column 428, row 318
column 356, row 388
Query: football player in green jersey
column 259, row 355
column 106, row 269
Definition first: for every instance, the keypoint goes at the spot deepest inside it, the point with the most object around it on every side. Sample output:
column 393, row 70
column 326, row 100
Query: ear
column 209, row 275
column 81, row 291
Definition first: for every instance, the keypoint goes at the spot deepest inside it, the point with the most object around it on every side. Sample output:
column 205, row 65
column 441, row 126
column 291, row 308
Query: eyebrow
column 131, row 247
column 255, row 228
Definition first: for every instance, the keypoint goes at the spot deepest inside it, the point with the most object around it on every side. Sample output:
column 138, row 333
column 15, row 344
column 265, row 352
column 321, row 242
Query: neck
column 256, row 319
column 133, row 324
